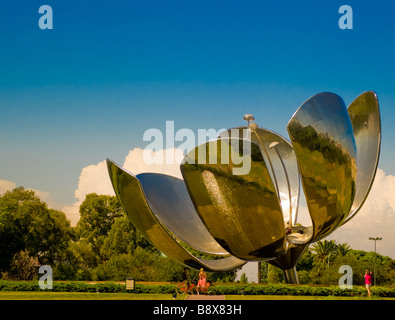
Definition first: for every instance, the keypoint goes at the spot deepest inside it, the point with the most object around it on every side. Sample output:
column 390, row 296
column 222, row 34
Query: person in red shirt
column 368, row 280
column 201, row 286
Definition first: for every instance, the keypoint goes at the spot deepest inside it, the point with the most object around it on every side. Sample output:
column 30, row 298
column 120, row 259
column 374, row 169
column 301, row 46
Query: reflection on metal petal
column 324, row 144
column 278, row 153
column 169, row 200
column 242, row 212
column 365, row 119
column 130, row 193
column 241, row 191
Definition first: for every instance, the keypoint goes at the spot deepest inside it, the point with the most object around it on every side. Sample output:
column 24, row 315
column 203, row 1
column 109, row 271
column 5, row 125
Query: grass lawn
column 281, row 297
column 40, row 295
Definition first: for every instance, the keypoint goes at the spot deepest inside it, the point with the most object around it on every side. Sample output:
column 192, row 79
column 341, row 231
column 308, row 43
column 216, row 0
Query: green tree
column 143, row 265
column 225, row 276
column 323, row 251
column 16, row 212
column 123, row 238
column 343, row 249
column 97, row 215
column 274, row 274
column 264, row 272
column 80, row 260
column 26, row 224
column 391, row 272
column 306, row 261
column 22, row 267
column 48, row 236
column 106, row 243
column 244, row 278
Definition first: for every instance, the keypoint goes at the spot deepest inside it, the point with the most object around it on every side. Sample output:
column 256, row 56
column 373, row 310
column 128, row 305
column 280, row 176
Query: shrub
column 232, row 289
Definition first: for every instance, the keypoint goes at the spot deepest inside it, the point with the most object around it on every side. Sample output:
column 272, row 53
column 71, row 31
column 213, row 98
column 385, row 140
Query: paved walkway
column 205, row 297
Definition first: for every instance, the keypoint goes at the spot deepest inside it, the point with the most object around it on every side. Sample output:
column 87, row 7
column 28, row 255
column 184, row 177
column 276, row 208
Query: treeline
column 104, row 245
column 321, row 262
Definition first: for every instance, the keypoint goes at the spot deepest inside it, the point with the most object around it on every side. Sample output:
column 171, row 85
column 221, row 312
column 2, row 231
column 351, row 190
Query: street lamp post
column 375, row 255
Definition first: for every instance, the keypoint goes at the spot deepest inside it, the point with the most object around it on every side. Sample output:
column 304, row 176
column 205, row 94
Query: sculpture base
column 291, row 276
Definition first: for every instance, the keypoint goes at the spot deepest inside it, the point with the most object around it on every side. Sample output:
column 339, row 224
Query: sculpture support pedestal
column 288, row 261
column 291, row 276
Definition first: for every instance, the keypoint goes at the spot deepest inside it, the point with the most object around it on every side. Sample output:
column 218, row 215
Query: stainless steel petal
column 169, row 200
column 323, row 140
column 282, row 165
column 130, row 193
column 242, row 212
column 365, row 119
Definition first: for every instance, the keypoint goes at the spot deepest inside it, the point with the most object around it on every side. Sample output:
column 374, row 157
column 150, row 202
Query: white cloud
column 380, row 204
column 72, row 212
column 375, row 219
column 136, row 164
column 6, row 186
column 95, row 178
column 43, row 195
column 10, row 185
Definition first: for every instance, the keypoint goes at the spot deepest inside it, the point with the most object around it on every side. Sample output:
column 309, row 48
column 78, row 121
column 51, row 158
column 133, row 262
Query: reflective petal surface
column 365, row 119
column 282, row 165
column 169, row 200
column 322, row 136
column 240, row 192
column 130, row 193
column 242, row 212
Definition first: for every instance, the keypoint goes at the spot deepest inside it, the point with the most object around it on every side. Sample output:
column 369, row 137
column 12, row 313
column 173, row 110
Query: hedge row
column 86, row 287
column 278, row 289
column 300, row 290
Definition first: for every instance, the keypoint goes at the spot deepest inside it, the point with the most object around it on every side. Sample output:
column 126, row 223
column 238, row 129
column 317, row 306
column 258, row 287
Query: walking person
column 368, row 280
column 202, row 281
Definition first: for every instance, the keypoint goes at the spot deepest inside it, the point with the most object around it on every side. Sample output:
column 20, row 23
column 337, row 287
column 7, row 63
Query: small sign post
column 130, row 284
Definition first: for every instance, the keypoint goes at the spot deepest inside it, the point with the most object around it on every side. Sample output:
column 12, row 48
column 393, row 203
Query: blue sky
column 109, row 70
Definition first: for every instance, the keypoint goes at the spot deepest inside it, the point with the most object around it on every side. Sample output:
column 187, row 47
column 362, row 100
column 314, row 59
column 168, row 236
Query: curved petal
column 169, row 200
column 365, row 119
column 130, row 193
column 324, row 144
column 242, row 212
column 283, row 167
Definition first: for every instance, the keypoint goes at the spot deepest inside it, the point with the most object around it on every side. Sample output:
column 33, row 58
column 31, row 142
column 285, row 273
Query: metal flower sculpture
column 218, row 220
